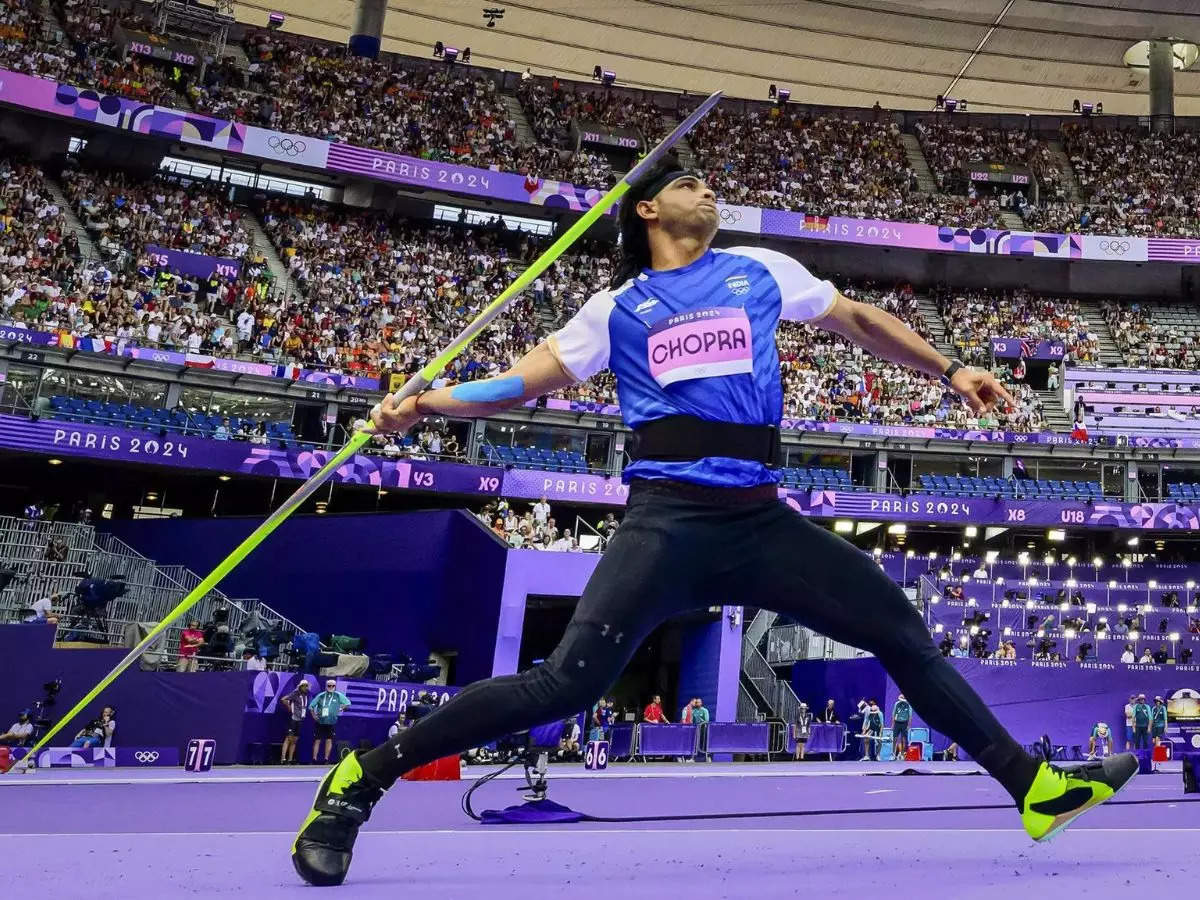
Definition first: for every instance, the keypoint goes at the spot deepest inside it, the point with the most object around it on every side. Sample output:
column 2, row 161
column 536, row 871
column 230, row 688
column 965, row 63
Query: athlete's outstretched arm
column 887, row 337
column 537, row 372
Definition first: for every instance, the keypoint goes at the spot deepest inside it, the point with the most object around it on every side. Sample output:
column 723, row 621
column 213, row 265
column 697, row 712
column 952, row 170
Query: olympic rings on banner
column 731, row 216
column 146, row 756
column 286, row 146
column 1114, row 248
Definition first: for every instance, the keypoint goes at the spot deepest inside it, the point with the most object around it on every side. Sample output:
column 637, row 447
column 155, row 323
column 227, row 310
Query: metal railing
column 788, row 643
column 747, row 709
column 779, row 695
column 23, row 547
column 759, row 625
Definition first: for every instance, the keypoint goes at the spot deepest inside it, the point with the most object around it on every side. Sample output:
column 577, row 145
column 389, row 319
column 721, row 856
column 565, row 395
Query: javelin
column 415, row 384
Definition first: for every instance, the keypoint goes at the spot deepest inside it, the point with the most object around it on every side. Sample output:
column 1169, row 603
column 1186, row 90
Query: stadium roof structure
column 1023, row 56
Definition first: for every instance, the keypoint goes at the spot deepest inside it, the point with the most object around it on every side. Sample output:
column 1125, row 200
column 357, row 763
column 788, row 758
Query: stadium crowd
column 374, row 294
column 972, row 317
column 829, row 379
column 766, row 155
column 1136, row 183
column 1147, row 340
column 826, row 166
column 949, row 147
column 85, row 55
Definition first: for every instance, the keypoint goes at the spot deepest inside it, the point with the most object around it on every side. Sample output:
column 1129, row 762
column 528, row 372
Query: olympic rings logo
column 1114, row 248
column 146, row 756
column 286, row 146
column 731, row 216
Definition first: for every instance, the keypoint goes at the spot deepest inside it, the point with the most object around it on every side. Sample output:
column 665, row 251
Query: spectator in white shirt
column 19, row 732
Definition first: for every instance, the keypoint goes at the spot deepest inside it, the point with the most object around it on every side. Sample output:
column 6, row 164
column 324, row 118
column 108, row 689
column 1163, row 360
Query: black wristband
column 951, row 369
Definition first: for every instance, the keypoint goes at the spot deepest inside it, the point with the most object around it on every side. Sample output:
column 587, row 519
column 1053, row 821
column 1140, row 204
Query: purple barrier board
column 979, row 511
column 104, row 442
column 738, row 737
column 564, row 486
column 106, row 757
column 620, row 743
column 666, row 740
column 196, row 264
column 825, row 739
column 224, row 136
column 1021, row 348
column 368, row 699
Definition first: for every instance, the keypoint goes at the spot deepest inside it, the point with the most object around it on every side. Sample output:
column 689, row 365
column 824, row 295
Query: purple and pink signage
column 1023, row 348
column 118, row 444
column 20, row 335
column 112, row 111
column 368, row 699
column 198, row 265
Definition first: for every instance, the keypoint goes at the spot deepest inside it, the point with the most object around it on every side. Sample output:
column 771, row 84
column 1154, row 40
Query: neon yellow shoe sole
column 1058, row 796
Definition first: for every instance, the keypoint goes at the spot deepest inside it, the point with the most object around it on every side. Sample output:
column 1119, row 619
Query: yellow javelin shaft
column 416, row 383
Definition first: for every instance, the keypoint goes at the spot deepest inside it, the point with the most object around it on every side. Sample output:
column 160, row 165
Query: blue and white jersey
column 697, row 341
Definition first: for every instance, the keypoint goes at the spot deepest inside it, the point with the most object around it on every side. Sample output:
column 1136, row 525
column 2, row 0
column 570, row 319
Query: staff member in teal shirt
column 1158, row 721
column 699, row 712
column 901, row 716
column 326, row 707
column 1141, row 724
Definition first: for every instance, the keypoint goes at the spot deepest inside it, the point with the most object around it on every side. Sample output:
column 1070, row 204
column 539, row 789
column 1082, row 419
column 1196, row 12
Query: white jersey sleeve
column 582, row 345
column 804, row 295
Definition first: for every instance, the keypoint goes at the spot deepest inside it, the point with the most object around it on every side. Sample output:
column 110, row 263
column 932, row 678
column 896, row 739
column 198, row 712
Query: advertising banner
column 235, row 137
column 1021, row 348
column 195, row 264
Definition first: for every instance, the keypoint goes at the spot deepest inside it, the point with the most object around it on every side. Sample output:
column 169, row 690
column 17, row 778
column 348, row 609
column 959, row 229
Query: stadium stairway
column 936, row 325
column 1063, row 163
column 1110, row 353
column 525, row 136
column 262, row 243
column 1052, row 409
column 687, row 156
column 152, row 590
column 86, row 245
column 50, row 17
column 1011, row 220
column 916, row 159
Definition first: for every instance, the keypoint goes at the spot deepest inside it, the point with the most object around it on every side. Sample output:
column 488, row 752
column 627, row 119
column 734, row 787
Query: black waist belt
column 687, row 438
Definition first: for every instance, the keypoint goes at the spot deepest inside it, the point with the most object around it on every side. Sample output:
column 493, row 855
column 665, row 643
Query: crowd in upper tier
column 761, row 154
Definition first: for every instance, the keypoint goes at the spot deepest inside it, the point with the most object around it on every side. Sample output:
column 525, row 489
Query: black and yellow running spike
column 324, row 846
column 1060, row 795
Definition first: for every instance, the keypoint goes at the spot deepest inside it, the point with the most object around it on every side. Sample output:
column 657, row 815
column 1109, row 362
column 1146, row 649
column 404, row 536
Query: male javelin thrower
column 690, row 334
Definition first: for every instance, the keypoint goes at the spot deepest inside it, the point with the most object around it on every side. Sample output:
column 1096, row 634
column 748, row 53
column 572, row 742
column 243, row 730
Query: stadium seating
column 1182, row 490
column 535, row 458
column 818, row 479
column 1009, row 488
column 127, row 415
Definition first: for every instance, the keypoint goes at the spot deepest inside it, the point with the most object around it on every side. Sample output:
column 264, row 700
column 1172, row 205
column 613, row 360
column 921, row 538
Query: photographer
column 98, row 732
column 568, row 741
column 92, row 596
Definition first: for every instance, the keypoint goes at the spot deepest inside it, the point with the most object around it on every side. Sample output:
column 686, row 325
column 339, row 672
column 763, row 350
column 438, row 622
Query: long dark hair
column 635, row 242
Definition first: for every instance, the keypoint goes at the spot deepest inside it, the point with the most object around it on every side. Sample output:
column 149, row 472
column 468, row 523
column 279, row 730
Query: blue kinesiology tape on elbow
column 491, row 390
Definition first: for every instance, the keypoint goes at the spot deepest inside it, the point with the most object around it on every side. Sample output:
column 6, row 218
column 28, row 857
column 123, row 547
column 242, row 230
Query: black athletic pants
column 683, row 547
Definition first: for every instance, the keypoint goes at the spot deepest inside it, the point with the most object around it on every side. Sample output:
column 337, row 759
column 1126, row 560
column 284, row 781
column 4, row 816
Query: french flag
column 93, row 345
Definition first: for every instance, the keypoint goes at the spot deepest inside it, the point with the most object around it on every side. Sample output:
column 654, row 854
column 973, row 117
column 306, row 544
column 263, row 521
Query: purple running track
column 219, row 837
